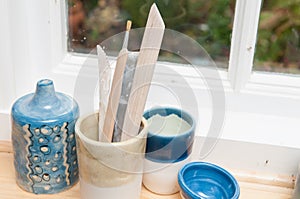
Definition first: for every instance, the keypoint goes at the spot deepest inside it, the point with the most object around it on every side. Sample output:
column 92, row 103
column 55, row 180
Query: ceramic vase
column 43, row 140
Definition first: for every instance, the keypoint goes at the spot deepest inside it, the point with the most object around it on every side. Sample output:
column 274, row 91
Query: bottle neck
column 45, row 93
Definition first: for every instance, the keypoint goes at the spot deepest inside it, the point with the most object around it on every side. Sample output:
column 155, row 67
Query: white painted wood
column 7, row 79
column 266, row 162
column 58, row 30
column 37, row 46
column 20, row 46
column 243, row 42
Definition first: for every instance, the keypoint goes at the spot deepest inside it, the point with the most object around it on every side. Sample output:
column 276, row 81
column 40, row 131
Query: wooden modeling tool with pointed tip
column 104, row 86
column 115, row 91
column 147, row 58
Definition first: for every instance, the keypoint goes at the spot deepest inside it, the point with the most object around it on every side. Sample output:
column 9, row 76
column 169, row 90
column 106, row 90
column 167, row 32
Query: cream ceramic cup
column 169, row 147
column 109, row 170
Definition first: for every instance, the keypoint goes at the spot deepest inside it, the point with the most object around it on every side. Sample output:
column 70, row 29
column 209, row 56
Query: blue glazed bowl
column 169, row 148
column 201, row 180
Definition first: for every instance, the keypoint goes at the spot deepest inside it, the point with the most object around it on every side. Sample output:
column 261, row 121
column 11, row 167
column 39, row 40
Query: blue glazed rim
column 159, row 147
column 196, row 165
column 165, row 111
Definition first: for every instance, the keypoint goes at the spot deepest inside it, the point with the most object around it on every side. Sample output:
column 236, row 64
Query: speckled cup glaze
column 109, row 170
column 43, row 140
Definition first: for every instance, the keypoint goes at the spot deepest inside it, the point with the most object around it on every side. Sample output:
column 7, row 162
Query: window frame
column 244, row 89
column 244, row 35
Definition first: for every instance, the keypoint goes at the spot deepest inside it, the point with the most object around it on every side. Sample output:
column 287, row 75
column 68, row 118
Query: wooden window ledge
column 10, row 190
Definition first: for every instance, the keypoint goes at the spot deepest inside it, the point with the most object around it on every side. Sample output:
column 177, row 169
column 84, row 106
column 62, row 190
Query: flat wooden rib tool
column 147, row 58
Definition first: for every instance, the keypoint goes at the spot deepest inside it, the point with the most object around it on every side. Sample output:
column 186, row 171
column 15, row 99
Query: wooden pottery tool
column 147, row 58
column 115, row 91
column 126, row 89
column 104, row 86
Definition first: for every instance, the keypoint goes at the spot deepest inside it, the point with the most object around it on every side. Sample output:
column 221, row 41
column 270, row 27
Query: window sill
column 250, row 188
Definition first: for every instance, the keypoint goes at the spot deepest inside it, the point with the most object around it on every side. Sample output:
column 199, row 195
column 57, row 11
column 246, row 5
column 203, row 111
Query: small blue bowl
column 202, row 180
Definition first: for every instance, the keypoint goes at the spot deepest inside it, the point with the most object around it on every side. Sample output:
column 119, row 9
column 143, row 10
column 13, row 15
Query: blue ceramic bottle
column 43, row 140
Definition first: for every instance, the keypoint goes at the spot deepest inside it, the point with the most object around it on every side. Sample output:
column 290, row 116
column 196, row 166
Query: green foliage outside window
column 208, row 22
column 278, row 41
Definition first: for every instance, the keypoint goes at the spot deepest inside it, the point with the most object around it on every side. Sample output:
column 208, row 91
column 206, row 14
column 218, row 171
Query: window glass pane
column 207, row 22
column 277, row 48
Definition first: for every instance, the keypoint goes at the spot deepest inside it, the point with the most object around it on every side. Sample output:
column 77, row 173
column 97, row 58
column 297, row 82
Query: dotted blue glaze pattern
column 43, row 139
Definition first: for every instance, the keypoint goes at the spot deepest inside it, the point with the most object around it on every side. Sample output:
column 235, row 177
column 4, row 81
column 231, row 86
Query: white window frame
column 261, row 108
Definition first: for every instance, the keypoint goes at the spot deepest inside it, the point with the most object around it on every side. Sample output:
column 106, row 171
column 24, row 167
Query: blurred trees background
column 208, row 22
column 277, row 47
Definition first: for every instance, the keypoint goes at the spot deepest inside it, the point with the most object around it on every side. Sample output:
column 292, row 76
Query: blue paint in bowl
column 202, row 180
